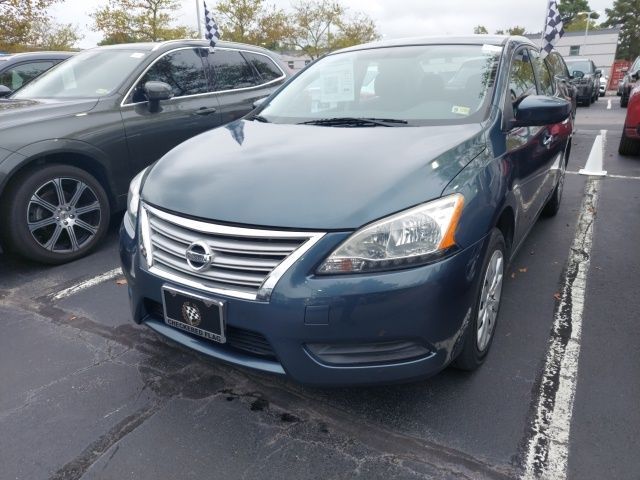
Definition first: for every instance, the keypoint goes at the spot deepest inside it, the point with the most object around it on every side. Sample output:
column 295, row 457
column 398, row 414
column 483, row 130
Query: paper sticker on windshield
column 137, row 55
column 461, row 110
column 337, row 83
column 102, row 91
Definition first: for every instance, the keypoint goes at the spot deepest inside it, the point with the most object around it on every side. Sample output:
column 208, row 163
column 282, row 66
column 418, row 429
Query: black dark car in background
column 19, row 69
column 72, row 139
column 586, row 78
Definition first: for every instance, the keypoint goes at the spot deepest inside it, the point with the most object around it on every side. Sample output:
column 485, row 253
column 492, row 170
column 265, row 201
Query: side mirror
column 259, row 102
column 155, row 92
column 538, row 110
column 578, row 74
column 5, row 91
column 636, row 75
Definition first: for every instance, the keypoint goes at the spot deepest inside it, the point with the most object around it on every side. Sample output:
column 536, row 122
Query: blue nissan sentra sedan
column 355, row 228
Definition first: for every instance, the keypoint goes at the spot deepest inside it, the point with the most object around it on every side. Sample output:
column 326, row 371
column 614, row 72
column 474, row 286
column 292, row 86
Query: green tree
column 55, row 36
column 320, row 26
column 252, row 21
column 517, row 30
column 17, row 18
column 139, row 21
column 569, row 9
column 480, row 30
column 625, row 14
column 580, row 25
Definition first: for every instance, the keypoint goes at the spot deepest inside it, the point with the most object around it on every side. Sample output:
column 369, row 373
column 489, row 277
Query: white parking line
column 547, row 450
column 78, row 287
column 609, row 104
column 594, row 162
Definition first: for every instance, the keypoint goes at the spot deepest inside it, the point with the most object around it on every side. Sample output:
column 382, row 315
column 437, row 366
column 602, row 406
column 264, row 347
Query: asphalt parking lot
column 85, row 393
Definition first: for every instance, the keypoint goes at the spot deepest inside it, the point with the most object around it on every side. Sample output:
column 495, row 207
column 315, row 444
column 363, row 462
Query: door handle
column 205, row 111
column 547, row 140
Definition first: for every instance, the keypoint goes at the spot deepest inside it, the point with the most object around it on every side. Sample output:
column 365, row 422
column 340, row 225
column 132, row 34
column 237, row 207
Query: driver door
column 193, row 109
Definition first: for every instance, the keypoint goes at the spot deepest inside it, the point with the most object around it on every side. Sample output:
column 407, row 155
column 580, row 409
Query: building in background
column 295, row 62
column 600, row 46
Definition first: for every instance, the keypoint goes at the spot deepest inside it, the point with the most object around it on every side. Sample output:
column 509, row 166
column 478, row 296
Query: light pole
column 586, row 30
column 199, row 18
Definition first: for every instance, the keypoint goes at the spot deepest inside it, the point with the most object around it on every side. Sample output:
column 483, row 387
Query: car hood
column 309, row 177
column 16, row 112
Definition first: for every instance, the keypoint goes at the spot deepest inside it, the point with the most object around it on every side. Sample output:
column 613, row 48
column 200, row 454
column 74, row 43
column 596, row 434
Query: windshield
column 90, row 74
column 423, row 85
column 583, row 66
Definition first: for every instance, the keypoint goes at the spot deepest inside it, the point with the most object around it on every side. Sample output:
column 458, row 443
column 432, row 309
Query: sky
column 394, row 18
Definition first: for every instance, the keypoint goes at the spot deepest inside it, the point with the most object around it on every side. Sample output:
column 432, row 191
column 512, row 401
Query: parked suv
column 631, row 76
column 19, row 69
column 586, row 77
column 72, row 139
column 343, row 235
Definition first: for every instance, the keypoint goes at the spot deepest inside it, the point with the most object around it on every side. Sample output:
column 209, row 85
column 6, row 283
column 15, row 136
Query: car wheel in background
column 480, row 332
column 55, row 214
column 624, row 100
column 628, row 146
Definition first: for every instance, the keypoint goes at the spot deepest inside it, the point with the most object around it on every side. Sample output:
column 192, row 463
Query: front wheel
column 480, row 332
column 55, row 214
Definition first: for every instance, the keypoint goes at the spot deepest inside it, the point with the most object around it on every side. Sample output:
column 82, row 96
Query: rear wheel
column 628, row 146
column 480, row 332
column 553, row 204
column 55, row 214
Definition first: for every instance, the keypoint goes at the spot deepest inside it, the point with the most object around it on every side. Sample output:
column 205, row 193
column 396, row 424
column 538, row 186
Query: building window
column 574, row 50
column 291, row 65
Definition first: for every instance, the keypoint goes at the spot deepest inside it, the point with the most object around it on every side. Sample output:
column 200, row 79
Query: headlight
column 412, row 237
column 133, row 199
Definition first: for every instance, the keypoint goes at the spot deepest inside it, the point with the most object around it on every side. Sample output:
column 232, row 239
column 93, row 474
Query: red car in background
column 630, row 141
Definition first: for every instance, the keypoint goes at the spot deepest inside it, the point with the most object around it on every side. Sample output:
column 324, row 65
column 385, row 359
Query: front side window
column 89, row 74
column 574, row 50
column 16, row 77
column 521, row 79
column 230, row 70
column 422, row 85
column 545, row 78
column 182, row 69
column 557, row 66
column 268, row 70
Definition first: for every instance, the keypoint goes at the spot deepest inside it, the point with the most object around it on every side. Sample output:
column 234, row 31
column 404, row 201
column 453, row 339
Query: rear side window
column 522, row 82
column 545, row 78
column 183, row 70
column 231, row 71
column 19, row 75
column 266, row 67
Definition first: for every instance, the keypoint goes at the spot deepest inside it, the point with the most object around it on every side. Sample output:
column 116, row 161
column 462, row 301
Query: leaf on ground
column 121, row 281
column 73, row 318
column 523, row 270
column 513, row 275
column 557, row 296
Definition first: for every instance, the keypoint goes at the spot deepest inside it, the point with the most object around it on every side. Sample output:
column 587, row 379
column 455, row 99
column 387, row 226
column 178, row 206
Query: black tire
column 471, row 357
column 71, row 233
column 628, row 146
column 624, row 100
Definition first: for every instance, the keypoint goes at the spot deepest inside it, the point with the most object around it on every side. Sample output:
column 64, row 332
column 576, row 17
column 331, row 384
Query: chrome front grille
column 246, row 262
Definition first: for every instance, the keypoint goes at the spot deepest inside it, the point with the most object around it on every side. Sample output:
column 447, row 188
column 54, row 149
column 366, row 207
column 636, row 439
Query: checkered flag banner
column 553, row 29
column 212, row 32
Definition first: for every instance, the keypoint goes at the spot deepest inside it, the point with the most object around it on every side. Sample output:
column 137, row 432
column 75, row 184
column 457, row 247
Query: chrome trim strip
column 262, row 85
column 213, row 228
column 264, row 294
column 180, row 280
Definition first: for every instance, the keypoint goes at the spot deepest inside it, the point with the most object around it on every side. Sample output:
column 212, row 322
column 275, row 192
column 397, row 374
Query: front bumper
column 429, row 305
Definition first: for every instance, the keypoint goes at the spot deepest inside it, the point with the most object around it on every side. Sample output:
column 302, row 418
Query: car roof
column 15, row 57
column 444, row 40
column 582, row 59
column 171, row 44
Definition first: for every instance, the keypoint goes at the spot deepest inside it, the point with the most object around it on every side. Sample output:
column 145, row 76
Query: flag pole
column 199, row 19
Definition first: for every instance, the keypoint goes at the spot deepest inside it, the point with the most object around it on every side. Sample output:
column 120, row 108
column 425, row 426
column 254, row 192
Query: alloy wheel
column 490, row 300
column 63, row 215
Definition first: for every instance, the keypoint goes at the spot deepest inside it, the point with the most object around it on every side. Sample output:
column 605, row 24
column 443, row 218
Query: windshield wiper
column 353, row 121
column 259, row 118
